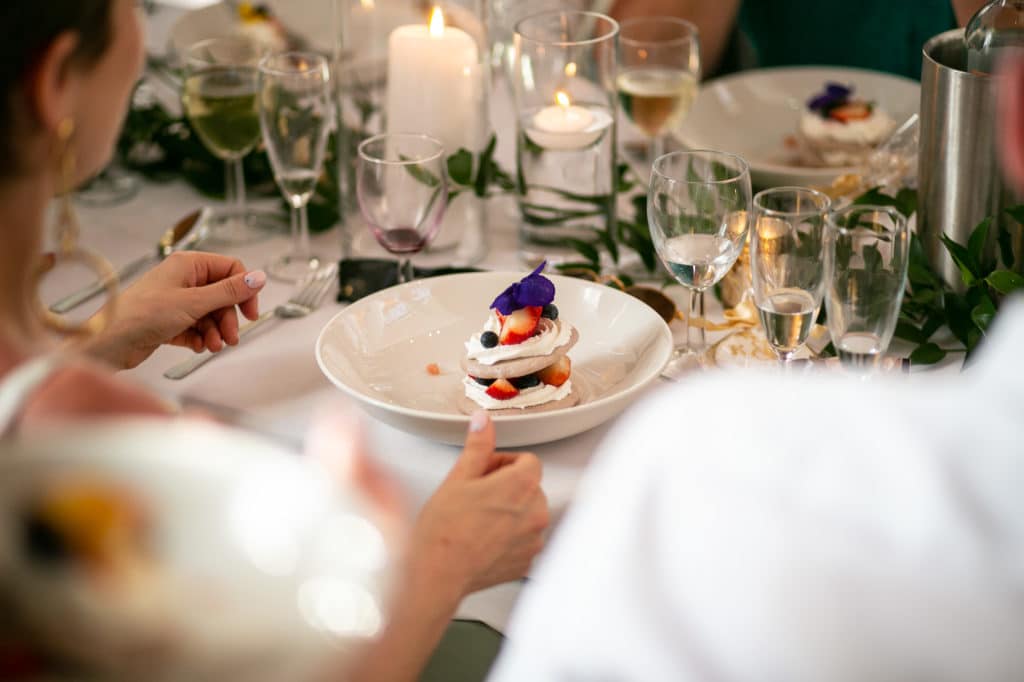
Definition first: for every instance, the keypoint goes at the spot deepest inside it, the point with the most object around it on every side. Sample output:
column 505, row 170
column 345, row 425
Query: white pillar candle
column 435, row 84
column 566, row 126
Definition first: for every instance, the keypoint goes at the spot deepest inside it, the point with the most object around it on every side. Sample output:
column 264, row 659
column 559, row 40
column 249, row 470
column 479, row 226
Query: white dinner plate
column 377, row 350
column 751, row 113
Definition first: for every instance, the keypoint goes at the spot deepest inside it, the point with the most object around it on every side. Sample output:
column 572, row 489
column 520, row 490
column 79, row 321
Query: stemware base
column 294, row 267
column 235, row 227
column 685, row 361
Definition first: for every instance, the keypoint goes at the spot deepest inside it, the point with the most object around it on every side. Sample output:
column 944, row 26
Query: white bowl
column 751, row 113
column 377, row 351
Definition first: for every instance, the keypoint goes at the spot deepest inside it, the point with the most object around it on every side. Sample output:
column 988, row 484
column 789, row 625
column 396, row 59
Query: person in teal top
column 883, row 35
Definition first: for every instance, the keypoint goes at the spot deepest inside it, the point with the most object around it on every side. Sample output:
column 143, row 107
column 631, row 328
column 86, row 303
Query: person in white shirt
column 749, row 528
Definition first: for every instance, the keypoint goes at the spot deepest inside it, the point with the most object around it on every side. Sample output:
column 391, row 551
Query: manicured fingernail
column 255, row 279
column 478, row 422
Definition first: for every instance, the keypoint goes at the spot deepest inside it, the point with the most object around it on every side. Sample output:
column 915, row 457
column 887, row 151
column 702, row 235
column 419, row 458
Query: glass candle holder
column 564, row 88
column 407, row 67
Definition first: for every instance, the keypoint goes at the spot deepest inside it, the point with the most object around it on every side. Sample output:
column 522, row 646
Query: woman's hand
column 486, row 522
column 187, row 300
column 483, row 526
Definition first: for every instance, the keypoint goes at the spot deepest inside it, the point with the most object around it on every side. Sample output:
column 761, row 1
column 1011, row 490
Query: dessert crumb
column 433, row 369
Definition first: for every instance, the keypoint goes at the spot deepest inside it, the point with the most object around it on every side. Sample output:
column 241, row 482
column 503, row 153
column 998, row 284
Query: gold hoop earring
column 68, row 251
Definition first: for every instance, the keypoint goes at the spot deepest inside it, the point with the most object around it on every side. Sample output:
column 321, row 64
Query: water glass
column 868, row 256
column 402, row 189
column 787, row 264
column 659, row 67
column 296, row 116
column 697, row 210
column 220, row 101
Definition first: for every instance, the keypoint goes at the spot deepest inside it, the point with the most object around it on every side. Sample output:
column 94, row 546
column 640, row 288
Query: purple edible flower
column 533, row 290
column 835, row 95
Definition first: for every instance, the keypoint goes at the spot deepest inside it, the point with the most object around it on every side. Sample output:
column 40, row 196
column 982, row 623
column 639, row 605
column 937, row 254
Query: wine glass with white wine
column 787, row 264
column 219, row 99
column 659, row 67
column 697, row 210
column 297, row 116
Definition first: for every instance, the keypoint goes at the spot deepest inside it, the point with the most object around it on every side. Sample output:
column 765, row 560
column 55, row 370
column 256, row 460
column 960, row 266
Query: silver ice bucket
column 959, row 177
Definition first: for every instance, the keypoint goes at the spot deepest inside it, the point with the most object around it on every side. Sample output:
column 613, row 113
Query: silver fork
column 306, row 299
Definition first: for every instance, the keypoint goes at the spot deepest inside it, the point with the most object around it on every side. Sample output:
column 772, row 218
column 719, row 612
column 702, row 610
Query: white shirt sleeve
column 753, row 528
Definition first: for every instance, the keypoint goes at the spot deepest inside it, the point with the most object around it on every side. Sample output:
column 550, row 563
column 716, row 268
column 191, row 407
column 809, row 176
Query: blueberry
column 483, row 382
column 488, row 339
column 550, row 311
column 523, row 383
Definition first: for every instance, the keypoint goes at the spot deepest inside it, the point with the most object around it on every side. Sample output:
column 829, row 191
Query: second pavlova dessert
column 519, row 361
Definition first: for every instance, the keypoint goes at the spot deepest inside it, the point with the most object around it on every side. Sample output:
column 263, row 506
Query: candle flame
column 437, row 22
column 570, row 69
column 563, row 99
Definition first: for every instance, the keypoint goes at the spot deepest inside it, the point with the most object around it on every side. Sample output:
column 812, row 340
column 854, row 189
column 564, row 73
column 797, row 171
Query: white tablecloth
column 273, row 377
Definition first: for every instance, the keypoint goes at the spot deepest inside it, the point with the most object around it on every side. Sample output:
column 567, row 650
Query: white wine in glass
column 656, row 99
column 787, row 315
column 219, row 99
column 659, row 66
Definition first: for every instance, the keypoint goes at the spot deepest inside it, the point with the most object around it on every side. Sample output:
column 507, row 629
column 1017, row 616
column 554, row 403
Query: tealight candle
column 565, row 126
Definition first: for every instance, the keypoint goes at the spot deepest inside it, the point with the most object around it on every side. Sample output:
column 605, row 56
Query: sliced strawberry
column 502, row 389
column 558, row 373
column 519, row 325
column 851, row 112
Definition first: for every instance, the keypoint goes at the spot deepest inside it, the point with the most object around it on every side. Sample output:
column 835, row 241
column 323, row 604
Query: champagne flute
column 868, row 256
column 296, row 116
column 697, row 209
column 402, row 189
column 659, row 66
column 219, row 99
column 787, row 264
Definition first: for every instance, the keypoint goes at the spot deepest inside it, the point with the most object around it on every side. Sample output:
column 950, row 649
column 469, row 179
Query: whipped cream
column 538, row 395
column 553, row 335
column 869, row 131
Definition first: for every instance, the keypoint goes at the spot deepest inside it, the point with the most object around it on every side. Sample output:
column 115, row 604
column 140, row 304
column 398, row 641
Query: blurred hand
column 187, row 300
column 486, row 522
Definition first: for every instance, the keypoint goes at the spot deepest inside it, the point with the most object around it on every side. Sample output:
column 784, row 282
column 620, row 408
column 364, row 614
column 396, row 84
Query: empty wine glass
column 402, row 189
column 787, row 264
column 698, row 209
column 659, row 66
column 296, row 116
column 868, row 256
column 219, row 98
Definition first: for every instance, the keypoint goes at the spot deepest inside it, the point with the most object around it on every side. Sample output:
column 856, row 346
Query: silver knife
column 182, row 237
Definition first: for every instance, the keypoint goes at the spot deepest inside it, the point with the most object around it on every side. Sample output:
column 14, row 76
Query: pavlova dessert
column 836, row 129
column 518, row 362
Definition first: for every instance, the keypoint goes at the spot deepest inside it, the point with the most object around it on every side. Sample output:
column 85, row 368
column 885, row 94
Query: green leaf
column 906, row 201
column 1005, row 282
column 486, row 171
column 927, row 354
column 908, row 332
column 872, row 258
column 421, row 174
column 460, row 167
column 969, row 269
column 608, row 239
column 1017, row 213
column 1005, row 240
column 958, row 317
column 587, row 250
column 983, row 313
column 976, row 243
